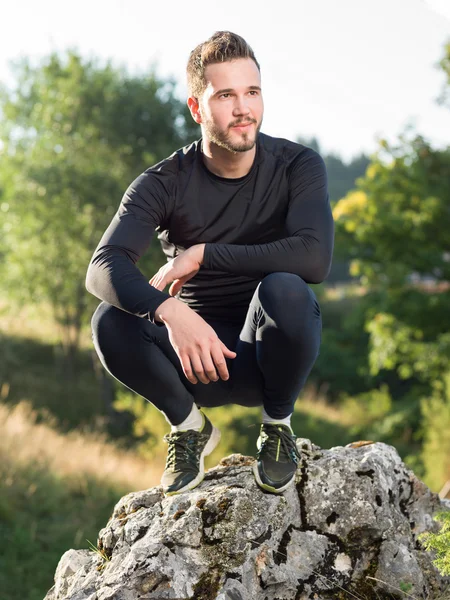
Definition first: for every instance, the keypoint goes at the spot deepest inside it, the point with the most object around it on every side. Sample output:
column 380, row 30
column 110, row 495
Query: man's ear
column 194, row 107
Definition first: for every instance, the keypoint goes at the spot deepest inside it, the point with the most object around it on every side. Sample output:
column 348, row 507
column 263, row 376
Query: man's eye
column 223, row 95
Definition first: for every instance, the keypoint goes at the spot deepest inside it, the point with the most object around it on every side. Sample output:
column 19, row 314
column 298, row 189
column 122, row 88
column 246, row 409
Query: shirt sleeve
column 112, row 274
column 308, row 247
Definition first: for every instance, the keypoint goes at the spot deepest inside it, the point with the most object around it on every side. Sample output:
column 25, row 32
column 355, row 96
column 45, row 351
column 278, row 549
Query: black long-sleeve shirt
column 275, row 218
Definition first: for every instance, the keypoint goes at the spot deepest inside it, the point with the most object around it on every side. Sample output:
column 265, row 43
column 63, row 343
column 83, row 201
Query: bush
column 440, row 542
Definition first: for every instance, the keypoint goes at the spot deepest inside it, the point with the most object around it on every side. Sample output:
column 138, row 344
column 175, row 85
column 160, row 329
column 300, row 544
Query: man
column 245, row 222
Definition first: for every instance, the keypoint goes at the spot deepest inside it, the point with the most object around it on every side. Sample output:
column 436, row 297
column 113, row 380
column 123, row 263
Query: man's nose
column 240, row 106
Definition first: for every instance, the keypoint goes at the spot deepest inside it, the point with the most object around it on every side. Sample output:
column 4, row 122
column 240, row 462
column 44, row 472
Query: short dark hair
column 222, row 46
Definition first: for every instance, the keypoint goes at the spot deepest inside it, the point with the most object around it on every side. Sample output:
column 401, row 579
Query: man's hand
column 202, row 354
column 179, row 270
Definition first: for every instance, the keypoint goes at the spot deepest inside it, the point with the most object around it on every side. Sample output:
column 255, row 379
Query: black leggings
column 276, row 349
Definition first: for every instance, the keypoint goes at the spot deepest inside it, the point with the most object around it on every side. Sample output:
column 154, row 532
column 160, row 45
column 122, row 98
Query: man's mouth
column 242, row 125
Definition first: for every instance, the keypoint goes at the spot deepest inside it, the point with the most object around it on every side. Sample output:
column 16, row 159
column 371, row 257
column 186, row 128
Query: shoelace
column 181, row 447
column 270, row 437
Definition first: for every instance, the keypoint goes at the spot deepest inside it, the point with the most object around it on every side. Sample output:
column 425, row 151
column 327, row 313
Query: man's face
column 232, row 97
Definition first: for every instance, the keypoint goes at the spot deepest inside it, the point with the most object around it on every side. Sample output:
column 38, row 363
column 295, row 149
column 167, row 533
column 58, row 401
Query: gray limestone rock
column 347, row 529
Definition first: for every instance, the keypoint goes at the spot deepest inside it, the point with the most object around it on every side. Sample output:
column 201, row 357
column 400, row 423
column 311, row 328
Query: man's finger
column 219, row 361
column 227, row 352
column 160, row 283
column 187, row 369
column 208, row 365
column 177, row 285
column 197, row 365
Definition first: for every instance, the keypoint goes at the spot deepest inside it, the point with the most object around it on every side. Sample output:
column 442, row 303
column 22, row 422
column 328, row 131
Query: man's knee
column 285, row 290
column 292, row 305
column 103, row 323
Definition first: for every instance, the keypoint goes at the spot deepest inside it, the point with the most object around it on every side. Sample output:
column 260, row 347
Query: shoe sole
column 267, row 487
column 210, row 446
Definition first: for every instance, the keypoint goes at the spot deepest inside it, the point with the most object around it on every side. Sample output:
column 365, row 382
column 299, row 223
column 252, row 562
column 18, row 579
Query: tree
column 74, row 135
column 394, row 226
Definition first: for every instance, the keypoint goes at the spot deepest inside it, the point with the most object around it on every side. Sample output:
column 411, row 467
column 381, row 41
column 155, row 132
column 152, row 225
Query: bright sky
column 344, row 71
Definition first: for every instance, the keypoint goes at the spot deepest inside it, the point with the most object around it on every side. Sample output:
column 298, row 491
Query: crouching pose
column 245, row 222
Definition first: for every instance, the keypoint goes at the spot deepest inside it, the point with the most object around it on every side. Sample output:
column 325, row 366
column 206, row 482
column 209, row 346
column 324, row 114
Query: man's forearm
column 304, row 255
column 114, row 278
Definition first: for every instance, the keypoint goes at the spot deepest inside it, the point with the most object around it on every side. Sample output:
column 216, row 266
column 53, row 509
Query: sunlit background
column 345, row 72
column 367, row 84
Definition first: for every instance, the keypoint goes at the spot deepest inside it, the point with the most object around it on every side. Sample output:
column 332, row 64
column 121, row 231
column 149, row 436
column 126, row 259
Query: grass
column 56, row 491
column 30, row 369
column 75, row 454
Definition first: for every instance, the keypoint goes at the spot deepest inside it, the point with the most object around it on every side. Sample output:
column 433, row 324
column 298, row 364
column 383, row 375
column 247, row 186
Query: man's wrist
column 166, row 309
column 200, row 248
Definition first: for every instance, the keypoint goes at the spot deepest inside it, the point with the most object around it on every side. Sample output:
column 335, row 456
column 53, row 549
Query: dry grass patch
column 75, row 454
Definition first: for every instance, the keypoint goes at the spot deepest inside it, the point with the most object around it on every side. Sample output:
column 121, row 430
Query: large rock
column 347, row 529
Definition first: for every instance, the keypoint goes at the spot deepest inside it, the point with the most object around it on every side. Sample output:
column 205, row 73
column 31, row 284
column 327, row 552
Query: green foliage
column 394, row 345
column 405, row 587
column 149, row 425
column 396, row 222
column 342, row 361
column 138, row 117
column 394, row 226
column 55, row 214
column 376, row 416
column 439, row 542
column 99, row 553
column 74, row 135
column 367, row 407
column 29, row 370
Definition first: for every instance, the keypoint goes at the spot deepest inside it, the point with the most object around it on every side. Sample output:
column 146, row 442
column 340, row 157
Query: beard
column 223, row 137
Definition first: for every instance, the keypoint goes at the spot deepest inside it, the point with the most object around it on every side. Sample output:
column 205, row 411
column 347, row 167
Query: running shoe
column 277, row 458
column 185, row 467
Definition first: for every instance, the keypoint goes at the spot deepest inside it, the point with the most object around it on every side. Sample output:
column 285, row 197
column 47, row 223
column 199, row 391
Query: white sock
column 193, row 421
column 268, row 419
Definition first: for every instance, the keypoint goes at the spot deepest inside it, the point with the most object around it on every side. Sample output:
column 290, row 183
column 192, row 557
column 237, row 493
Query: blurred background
column 94, row 93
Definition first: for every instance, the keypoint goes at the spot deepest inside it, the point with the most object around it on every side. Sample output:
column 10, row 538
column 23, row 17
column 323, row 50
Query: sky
column 345, row 71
